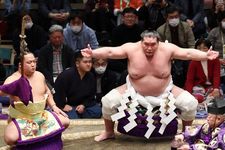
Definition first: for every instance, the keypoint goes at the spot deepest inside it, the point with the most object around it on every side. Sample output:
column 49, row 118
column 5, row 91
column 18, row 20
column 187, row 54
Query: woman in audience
column 203, row 77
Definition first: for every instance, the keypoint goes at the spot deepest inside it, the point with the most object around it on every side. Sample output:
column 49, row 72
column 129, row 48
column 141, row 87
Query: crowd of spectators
column 56, row 33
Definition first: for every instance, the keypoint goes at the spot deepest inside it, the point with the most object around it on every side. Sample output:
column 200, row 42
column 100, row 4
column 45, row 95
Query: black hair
column 78, row 56
column 172, row 9
column 221, row 16
column 74, row 15
column 204, row 41
column 129, row 10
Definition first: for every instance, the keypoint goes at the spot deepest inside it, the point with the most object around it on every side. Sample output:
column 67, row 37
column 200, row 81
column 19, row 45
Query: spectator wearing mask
column 77, row 35
column 106, row 79
column 193, row 14
column 14, row 9
column 36, row 37
column 180, row 33
column 152, row 14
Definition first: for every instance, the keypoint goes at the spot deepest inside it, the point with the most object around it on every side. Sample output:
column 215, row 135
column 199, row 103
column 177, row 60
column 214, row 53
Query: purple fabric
column 4, row 116
column 36, row 140
column 20, row 88
column 53, row 143
column 206, row 137
column 141, row 127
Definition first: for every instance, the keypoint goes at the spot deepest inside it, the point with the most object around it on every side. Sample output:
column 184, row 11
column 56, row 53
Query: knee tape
column 187, row 104
column 110, row 102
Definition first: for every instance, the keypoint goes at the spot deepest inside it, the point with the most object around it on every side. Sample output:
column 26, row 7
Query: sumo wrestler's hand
column 87, row 52
column 212, row 54
column 59, row 111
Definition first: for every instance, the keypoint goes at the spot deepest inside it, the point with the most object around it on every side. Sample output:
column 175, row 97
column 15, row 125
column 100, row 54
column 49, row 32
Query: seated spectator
column 78, row 35
column 212, row 14
column 54, row 12
column 75, row 90
column 203, row 76
column 128, row 31
column 193, row 14
column 217, row 38
column 152, row 14
column 14, row 9
column 55, row 56
column 36, row 37
column 106, row 80
column 179, row 33
column 120, row 5
column 99, row 15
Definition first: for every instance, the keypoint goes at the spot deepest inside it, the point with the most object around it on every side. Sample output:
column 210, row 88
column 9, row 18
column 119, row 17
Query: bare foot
column 104, row 136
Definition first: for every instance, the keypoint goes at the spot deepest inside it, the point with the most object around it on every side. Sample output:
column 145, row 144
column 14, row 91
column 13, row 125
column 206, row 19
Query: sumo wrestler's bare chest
column 160, row 69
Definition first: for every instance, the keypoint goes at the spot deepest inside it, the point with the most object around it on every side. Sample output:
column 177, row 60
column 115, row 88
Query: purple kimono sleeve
column 20, row 88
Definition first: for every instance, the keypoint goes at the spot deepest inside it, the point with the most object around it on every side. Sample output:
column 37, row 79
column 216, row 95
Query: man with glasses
column 128, row 31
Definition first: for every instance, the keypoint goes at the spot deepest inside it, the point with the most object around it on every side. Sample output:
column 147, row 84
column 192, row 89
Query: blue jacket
column 80, row 40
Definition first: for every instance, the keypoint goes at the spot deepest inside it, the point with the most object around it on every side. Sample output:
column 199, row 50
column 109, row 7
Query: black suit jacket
column 45, row 60
column 108, row 82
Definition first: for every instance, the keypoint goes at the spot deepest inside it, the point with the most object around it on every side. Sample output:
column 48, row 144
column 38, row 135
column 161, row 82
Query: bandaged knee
column 110, row 102
column 188, row 106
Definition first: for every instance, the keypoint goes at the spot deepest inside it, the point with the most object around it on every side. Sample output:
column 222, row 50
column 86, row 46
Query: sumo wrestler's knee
column 11, row 134
column 188, row 106
column 110, row 102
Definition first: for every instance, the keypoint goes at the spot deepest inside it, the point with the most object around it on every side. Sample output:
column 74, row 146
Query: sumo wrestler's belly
column 150, row 85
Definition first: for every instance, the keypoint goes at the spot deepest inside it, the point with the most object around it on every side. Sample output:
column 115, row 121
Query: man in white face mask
column 77, row 34
column 180, row 33
column 36, row 36
column 106, row 79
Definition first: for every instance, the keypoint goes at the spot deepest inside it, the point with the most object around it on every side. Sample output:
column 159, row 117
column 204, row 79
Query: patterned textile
column 205, row 138
column 57, row 63
column 33, row 122
column 131, row 100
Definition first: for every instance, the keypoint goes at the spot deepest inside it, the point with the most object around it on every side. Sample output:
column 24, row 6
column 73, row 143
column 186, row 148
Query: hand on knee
column 66, row 122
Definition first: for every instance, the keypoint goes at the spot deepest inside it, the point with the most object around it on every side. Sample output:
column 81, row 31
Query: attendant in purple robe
column 210, row 135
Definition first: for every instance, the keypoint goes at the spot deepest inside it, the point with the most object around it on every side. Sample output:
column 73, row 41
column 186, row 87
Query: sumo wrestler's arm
column 51, row 103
